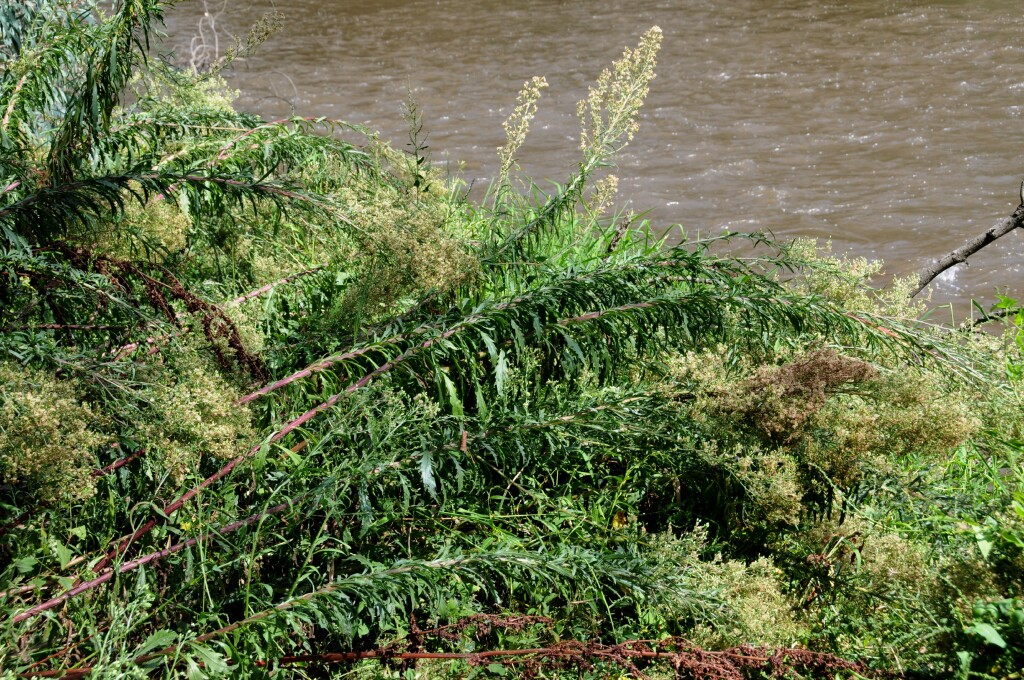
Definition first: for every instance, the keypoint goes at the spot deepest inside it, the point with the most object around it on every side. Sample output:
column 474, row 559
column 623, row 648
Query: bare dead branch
column 960, row 255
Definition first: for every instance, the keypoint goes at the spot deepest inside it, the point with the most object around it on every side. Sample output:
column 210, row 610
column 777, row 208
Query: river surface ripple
column 892, row 128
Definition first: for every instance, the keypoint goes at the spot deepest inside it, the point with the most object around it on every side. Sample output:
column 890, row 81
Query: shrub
column 49, row 435
column 376, row 416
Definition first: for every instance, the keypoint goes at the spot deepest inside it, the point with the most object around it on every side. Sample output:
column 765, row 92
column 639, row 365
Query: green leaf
column 501, row 372
column 25, row 564
column 214, row 663
column 481, row 403
column 453, row 396
column 492, row 350
column 984, row 544
column 988, row 633
column 156, row 641
column 497, row 669
column 62, row 552
column 965, row 664
column 427, row 473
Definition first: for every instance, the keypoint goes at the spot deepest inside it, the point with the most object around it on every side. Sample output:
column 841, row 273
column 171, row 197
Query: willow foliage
column 308, row 396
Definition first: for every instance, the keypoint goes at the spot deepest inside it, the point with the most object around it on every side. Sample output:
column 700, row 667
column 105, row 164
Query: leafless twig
column 960, row 255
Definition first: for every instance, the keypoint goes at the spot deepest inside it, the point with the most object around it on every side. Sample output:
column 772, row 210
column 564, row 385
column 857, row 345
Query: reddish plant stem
column 152, row 557
column 597, row 315
column 310, row 370
column 270, row 286
column 689, row 658
column 7, row 116
column 117, row 464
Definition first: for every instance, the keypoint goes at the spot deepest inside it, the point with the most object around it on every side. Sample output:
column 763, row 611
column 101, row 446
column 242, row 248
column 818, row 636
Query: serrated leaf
column 427, row 473
column 25, row 564
column 62, row 552
column 213, row 662
column 481, row 403
column 492, row 349
column 501, row 372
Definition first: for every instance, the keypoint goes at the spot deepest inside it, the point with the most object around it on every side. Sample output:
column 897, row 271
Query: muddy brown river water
column 893, row 128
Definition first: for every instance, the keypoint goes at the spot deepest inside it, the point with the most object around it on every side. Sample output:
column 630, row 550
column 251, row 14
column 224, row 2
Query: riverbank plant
column 278, row 400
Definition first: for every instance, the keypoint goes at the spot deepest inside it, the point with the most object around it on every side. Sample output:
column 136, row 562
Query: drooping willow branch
column 535, row 298
column 106, row 573
column 283, row 432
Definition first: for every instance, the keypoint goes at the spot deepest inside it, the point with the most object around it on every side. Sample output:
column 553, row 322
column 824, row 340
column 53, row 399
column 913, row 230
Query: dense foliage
column 276, row 396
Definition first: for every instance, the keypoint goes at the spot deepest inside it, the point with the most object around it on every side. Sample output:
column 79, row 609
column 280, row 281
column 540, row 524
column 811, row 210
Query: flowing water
column 893, row 128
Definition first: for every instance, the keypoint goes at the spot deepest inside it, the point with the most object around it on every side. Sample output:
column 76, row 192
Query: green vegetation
column 277, row 400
